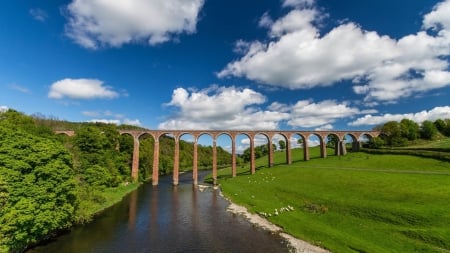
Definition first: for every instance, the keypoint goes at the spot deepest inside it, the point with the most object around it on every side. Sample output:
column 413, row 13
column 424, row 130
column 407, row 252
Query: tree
column 332, row 140
column 392, row 134
column 428, row 130
column 376, row 142
column 282, row 144
column 409, row 129
column 440, row 125
column 41, row 191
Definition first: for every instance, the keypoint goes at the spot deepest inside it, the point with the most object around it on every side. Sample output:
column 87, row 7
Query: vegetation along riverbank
column 49, row 182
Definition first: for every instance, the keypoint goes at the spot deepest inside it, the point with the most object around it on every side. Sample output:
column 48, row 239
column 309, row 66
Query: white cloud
column 81, row 89
column 433, row 114
column 95, row 23
column 132, row 122
column 38, row 14
column 306, row 113
column 236, row 108
column 221, row 108
column 382, row 68
column 3, row 108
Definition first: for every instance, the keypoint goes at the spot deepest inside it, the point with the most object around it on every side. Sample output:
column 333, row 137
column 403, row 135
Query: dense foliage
column 49, row 182
column 405, row 132
column 37, row 186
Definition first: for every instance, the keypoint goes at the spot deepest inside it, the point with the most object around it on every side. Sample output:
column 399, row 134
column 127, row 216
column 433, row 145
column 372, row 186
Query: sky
column 209, row 64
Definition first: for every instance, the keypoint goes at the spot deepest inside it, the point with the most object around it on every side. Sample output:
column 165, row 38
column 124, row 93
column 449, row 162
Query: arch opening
column 315, row 144
column 299, row 148
column 280, row 145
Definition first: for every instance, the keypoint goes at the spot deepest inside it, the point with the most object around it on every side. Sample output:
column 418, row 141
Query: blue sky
column 194, row 64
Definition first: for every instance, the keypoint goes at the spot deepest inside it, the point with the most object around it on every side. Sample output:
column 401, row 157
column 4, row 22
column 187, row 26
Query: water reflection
column 168, row 219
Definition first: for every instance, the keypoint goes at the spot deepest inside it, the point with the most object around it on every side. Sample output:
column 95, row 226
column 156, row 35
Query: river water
column 167, row 219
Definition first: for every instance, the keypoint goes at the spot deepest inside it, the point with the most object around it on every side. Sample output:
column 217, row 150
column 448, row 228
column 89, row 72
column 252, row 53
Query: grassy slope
column 355, row 203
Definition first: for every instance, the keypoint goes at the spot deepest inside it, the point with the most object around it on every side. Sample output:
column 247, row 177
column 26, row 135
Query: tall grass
column 354, row 203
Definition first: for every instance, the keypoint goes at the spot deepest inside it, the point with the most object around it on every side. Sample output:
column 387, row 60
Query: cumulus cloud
column 132, row 122
column 432, row 115
column 243, row 108
column 95, row 23
column 306, row 113
column 381, row 68
column 220, row 108
column 81, row 89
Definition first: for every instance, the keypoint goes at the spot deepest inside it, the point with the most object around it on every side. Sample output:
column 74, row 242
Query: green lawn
column 354, row 203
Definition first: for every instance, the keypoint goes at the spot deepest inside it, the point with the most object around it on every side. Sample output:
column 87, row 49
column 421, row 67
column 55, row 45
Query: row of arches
column 340, row 141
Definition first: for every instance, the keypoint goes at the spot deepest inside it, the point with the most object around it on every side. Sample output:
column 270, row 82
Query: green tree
column 41, row 190
column 392, row 134
column 376, row 142
column 428, row 130
column 282, row 144
column 440, row 125
column 409, row 129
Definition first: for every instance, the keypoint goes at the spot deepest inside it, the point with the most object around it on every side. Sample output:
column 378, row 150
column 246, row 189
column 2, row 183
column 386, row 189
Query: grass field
column 354, row 203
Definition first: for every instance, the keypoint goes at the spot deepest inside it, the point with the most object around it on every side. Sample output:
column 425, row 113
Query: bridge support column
column 135, row 163
column 214, row 162
column 155, row 173
column 342, row 149
column 305, row 150
column 323, row 148
column 270, row 148
column 356, row 146
column 337, row 148
column 176, row 162
column 194, row 165
column 288, row 152
column 233, row 157
column 252, row 155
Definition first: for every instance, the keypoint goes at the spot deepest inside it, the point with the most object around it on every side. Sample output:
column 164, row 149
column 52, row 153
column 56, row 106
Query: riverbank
column 295, row 244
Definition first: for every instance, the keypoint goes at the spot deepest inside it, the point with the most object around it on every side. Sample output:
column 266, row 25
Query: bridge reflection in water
column 340, row 149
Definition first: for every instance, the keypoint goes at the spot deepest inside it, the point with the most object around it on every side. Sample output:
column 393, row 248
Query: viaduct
column 340, row 149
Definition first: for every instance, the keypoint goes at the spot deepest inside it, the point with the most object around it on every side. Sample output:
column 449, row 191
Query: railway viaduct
column 340, row 149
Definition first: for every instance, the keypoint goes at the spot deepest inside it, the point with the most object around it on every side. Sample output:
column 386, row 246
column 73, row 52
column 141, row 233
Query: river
column 167, row 219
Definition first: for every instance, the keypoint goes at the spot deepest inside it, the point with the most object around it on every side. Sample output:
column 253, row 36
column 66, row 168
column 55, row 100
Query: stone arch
column 333, row 142
column 316, row 145
column 364, row 139
column 247, row 141
column 146, row 155
column 262, row 146
column 299, row 140
column 226, row 139
column 165, row 149
column 275, row 139
column 351, row 142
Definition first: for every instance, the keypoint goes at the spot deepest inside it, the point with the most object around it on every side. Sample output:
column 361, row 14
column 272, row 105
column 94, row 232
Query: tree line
column 397, row 134
column 50, row 182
